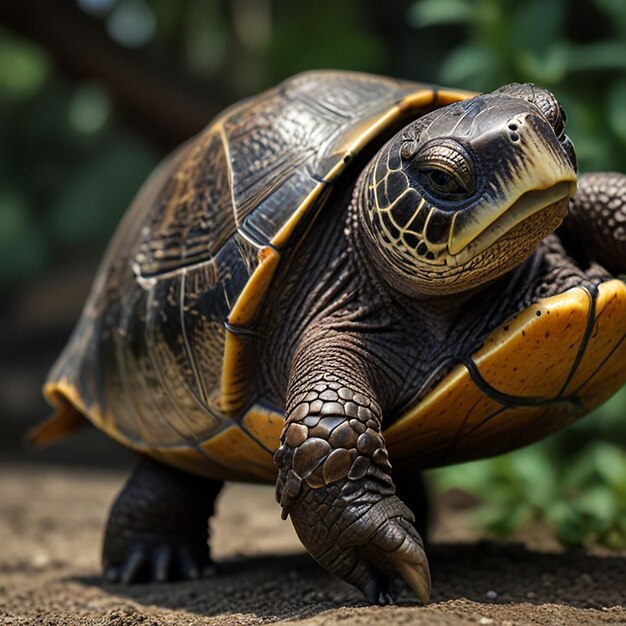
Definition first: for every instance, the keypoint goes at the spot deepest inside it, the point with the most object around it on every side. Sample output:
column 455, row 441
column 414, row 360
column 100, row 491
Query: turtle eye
column 445, row 169
column 442, row 183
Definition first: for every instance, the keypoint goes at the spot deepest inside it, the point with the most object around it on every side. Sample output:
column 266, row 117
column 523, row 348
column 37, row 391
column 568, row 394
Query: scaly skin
column 596, row 224
column 157, row 529
column 335, row 476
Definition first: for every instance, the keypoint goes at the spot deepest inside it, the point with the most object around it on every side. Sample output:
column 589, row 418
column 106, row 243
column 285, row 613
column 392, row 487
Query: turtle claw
column 397, row 552
column 131, row 570
column 373, row 546
column 160, row 564
column 417, row 577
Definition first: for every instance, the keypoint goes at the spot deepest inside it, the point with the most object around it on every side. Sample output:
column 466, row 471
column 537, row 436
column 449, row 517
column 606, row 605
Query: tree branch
column 164, row 108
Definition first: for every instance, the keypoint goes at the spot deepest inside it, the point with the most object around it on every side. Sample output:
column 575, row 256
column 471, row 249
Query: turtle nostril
column 514, row 127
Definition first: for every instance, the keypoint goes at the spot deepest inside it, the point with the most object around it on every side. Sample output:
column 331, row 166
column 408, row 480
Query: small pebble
column 491, row 595
column 485, row 620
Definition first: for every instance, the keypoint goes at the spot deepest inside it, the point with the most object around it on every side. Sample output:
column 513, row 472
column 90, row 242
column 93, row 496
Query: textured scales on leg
column 596, row 223
column 335, row 483
column 158, row 526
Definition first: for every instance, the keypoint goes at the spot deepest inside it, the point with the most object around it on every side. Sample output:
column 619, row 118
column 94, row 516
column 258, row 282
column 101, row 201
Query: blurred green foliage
column 577, row 50
column 574, row 482
column 67, row 168
column 69, row 163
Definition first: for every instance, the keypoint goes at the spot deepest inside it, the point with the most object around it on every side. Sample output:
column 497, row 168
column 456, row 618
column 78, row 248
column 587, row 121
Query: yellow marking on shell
column 265, row 425
column 607, row 339
column 538, row 347
column 362, row 133
column 443, row 97
column 190, row 460
column 456, row 404
column 289, row 226
column 345, row 147
column 227, row 454
column 231, row 400
column 456, row 421
column 242, row 314
column 226, row 148
column 247, row 304
column 235, row 450
column 65, row 420
column 61, row 392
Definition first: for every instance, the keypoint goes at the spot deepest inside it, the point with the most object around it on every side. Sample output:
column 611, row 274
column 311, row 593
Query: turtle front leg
column 596, row 224
column 335, row 483
column 158, row 526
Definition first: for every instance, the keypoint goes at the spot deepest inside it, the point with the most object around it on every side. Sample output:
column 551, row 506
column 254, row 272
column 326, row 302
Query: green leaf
column 569, row 526
column 436, row 12
column 470, row 66
column 604, row 55
column 545, row 68
column 23, row 67
column 538, row 25
column 598, row 505
column 610, row 463
column 503, row 520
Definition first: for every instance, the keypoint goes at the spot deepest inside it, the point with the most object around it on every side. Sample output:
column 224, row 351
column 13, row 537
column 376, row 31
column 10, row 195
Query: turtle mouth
column 527, row 205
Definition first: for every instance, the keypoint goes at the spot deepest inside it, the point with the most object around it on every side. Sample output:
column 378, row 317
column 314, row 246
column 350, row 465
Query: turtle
column 339, row 283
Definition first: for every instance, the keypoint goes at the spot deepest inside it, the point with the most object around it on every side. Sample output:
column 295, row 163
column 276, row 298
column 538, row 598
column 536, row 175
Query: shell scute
column 159, row 357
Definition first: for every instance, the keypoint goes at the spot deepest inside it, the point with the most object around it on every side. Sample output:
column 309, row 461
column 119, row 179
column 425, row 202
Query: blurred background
column 93, row 93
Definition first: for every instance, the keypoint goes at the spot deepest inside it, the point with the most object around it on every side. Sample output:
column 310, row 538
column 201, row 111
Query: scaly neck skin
column 437, row 313
column 331, row 298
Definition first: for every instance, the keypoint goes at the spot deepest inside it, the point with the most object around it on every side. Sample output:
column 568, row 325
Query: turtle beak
column 470, row 242
column 532, row 174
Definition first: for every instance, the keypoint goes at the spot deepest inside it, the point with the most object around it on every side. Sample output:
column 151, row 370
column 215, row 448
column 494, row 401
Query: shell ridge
column 511, row 400
column 156, row 363
column 592, row 294
column 202, row 402
column 603, row 362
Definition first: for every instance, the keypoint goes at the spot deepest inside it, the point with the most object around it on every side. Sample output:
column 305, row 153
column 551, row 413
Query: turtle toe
column 160, row 563
column 397, row 560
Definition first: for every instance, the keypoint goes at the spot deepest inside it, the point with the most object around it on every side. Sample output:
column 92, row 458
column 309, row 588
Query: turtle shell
column 543, row 368
column 158, row 357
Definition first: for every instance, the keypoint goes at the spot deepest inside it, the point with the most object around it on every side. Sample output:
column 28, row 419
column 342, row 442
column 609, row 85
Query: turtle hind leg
column 595, row 229
column 158, row 526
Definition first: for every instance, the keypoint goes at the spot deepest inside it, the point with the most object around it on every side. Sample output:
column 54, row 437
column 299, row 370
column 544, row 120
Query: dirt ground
column 51, row 521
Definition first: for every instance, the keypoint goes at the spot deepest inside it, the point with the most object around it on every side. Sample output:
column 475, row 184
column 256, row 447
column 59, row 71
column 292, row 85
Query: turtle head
column 467, row 192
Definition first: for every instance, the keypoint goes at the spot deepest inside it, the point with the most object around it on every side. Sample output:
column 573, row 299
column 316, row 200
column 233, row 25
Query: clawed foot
column 366, row 541
column 161, row 562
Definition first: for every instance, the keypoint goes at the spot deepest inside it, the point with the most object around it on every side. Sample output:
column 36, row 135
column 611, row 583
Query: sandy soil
column 50, row 530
